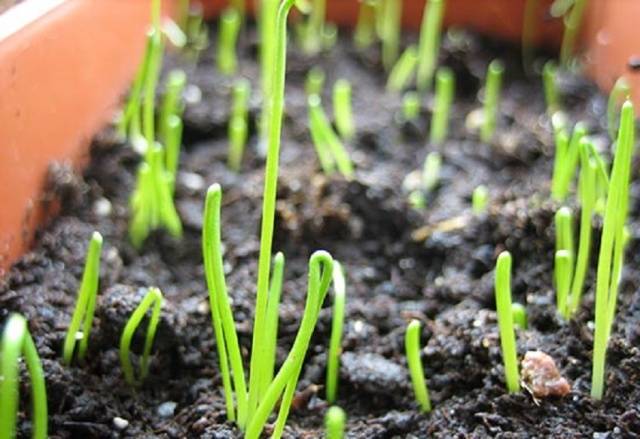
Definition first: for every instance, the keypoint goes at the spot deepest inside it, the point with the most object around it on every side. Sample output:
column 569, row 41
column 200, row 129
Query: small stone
column 541, row 377
column 166, row 409
column 192, row 94
column 102, row 207
column 191, row 181
column 120, row 423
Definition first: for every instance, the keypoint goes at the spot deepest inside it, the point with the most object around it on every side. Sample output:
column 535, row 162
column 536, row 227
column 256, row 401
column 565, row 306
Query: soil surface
column 434, row 264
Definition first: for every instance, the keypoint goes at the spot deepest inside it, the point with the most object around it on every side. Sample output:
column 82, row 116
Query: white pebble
column 120, row 423
column 167, row 409
column 191, row 181
column 102, row 207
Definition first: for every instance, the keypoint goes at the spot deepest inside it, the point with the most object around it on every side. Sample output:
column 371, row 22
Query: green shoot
column 273, row 305
column 268, row 41
column 403, row 70
column 412, row 349
column 619, row 93
column 529, row 31
column 491, row 100
column 238, row 123
column 85, row 306
column 337, row 323
column 480, row 200
column 564, row 230
column 519, row 313
column 566, row 160
column 429, row 45
column 197, row 33
column 443, row 100
column 329, row 36
column 330, row 150
column 314, row 83
column 563, row 265
column 154, row 299
column 391, row 14
column 150, row 85
column 431, row 172
column 411, row 105
column 342, row 109
column 230, row 23
column 312, row 31
column 572, row 23
column 612, row 246
column 364, row 33
column 239, row 5
column 183, row 15
column 16, row 341
column 549, row 73
column 505, row 321
column 334, row 421
column 171, row 104
column 172, row 150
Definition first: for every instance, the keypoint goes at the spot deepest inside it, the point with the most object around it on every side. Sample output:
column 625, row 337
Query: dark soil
column 435, row 265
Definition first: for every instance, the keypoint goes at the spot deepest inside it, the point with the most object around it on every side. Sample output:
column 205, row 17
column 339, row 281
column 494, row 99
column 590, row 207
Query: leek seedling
column 239, row 5
column 197, row 33
column 273, row 305
column 612, row 246
column 505, row 321
column 171, row 104
column 429, row 47
column 154, row 299
column 572, row 23
column 85, row 306
column 443, row 100
column 268, row 38
column 391, row 13
column 519, row 313
column 329, row 36
column 230, row 23
column 431, row 171
column 403, row 70
column 491, row 100
column 312, row 31
column 529, row 32
column 410, row 105
column 172, row 150
column 619, row 93
column 563, row 261
column 314, row 83
column 330, row 150
column 566, row 160
column 16, row 342
column 238, row 123
column 549, row 73
column 337, row 324
column 480, row 199
column 150, row 85
column 334, row 421
column 364, row 34
column 342, row 109
column 412, row 349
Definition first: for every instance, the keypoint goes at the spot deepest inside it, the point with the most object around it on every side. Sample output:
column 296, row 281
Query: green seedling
column 365, row 32
column 529, row 32
column 240, row 6
column 314, row 83
column 429, row 46
column 612, row 245
column 197, row 33
column 312, row 30
column 549, row 73
column 505, row 321
column 412, row 349
column 334, row 422
column 445, row 89
column 480, row 200
column 431, row 172
column 390, row 14
column 172, row 102
column 238, row 123
column 572, row 23
column 337, row 324
column 150, row 85
column 492, row 91
column 85, row 306
column 172, row 150
column 342, row 109
column 230, row 23
column 273, row 305
column 403, row 70
column 619, row 93
column 566, row 160
column 16, row 342
column 411, row 105
column 267, row 25
column 154, row 299
column 330, row 150
column 329, row 36
column 183, row 15
column 519, row 313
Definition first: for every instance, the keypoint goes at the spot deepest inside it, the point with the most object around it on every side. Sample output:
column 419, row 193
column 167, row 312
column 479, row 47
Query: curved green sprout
column 566, row 160
column 171, row 104
column 85, row 306
column 403, row 70
column 445, row 90
column 619, row 93
column 480, row 199
column 612, row 245
column 342, row 109
column 230, row 23
column 410, row 105
column 572, row 23
column 519, row 315
column 429, row 46
column 505, row 321
column 492, row 91
column 334, row 421
column 412, row 349
column 152, row 298
column 549, row 73
column 17, row 341
column 337, row 324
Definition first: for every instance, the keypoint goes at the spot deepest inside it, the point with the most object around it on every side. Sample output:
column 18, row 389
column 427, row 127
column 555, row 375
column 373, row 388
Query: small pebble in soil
column 120, row 423
column 372, row 373
column 166, row 409
column 191, row 181
column 541, row 377
column 102, row 207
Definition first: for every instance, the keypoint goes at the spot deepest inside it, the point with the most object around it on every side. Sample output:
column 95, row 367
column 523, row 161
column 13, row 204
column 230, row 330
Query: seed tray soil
column 435, row 265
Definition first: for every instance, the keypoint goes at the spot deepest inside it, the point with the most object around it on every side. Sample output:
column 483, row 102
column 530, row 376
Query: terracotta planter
column 64, row 65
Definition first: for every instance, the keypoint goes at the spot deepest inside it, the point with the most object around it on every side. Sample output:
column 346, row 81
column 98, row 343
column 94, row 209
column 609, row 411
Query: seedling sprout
column 337, row 324
column 230, row 23
column 429, row 45
column 403, row 70
column 334, row 422
column 412, row 349
column 505, row 321
column 492, row 91
column 445, row 89
column 342, row 109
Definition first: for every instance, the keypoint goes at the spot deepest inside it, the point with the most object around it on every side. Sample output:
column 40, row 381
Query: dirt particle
column 541, row 377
